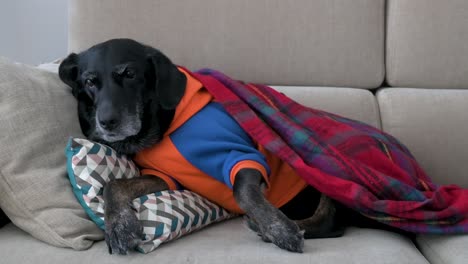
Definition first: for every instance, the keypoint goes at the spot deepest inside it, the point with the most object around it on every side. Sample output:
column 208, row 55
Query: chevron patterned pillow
column 165, row 215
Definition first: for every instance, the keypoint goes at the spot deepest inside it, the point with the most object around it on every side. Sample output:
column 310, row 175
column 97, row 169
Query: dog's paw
column 278, row 230
column 253, row 226
column 123, row 231
column 285, row 235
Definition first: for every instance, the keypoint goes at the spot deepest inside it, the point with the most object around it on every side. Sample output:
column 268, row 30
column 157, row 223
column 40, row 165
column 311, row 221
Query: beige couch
column 401, row 65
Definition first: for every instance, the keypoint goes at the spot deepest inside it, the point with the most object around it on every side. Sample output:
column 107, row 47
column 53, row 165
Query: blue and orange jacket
column 204, row 148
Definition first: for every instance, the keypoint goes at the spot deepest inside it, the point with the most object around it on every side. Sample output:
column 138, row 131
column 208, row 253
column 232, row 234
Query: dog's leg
column 272, row 224
column 123, row 231
column 323, row 223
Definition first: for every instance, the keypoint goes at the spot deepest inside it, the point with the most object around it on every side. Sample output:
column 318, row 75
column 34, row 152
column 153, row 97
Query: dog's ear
column 68, row 72
column 169, row 81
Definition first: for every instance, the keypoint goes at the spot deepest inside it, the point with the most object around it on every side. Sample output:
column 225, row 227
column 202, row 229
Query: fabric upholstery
column 434, row 125
column 357, row 104
column 321, row 42
column 427, row 43
column 226, row 242
column 444, row 249
column 34, row 128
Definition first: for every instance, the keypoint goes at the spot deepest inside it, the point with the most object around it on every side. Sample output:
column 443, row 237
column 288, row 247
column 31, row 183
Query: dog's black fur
column 3, row 219
column 127, row 94
column 123, row 82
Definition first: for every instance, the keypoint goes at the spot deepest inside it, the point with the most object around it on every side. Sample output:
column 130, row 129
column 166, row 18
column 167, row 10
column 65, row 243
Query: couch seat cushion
column 450, row 249
column 226, row 242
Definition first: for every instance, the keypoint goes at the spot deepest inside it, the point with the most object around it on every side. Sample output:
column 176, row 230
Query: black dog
column 127, row 97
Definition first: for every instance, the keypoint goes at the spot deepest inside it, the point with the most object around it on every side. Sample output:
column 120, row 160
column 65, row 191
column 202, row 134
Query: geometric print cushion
column 165, row 215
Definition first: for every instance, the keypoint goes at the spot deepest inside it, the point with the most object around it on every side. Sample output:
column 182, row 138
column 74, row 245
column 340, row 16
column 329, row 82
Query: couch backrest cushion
column 357, row 104
column 301, row 42
column 427, row 43
column 433, row 124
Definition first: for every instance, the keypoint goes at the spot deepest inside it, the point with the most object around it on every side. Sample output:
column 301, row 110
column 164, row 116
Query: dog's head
column 127, row 92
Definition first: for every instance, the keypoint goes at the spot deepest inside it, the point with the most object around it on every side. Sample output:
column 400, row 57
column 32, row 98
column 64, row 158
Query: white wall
column 33, row 31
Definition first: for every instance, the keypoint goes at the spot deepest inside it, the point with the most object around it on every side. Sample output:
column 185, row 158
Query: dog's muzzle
column 112, row 128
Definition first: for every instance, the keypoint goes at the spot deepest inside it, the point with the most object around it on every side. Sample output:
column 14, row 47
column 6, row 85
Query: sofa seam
column 390, row 54
column 383, row 78
column 436, row 255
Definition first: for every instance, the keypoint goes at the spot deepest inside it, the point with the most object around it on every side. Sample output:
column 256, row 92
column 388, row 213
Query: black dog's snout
column 109, row 121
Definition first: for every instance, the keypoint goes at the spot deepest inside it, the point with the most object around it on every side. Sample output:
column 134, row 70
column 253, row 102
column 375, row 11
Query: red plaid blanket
column 356, row 164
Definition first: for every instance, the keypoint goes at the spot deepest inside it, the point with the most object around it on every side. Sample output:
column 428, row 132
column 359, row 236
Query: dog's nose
column 109, row 121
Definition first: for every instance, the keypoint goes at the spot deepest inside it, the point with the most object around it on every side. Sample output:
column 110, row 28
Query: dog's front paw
column 285, row 235
column 123, row 230
column 281, row 231
column 253, row 226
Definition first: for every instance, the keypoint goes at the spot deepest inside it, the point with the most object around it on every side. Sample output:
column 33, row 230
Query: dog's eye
column 89, row 83
column 130, row 74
